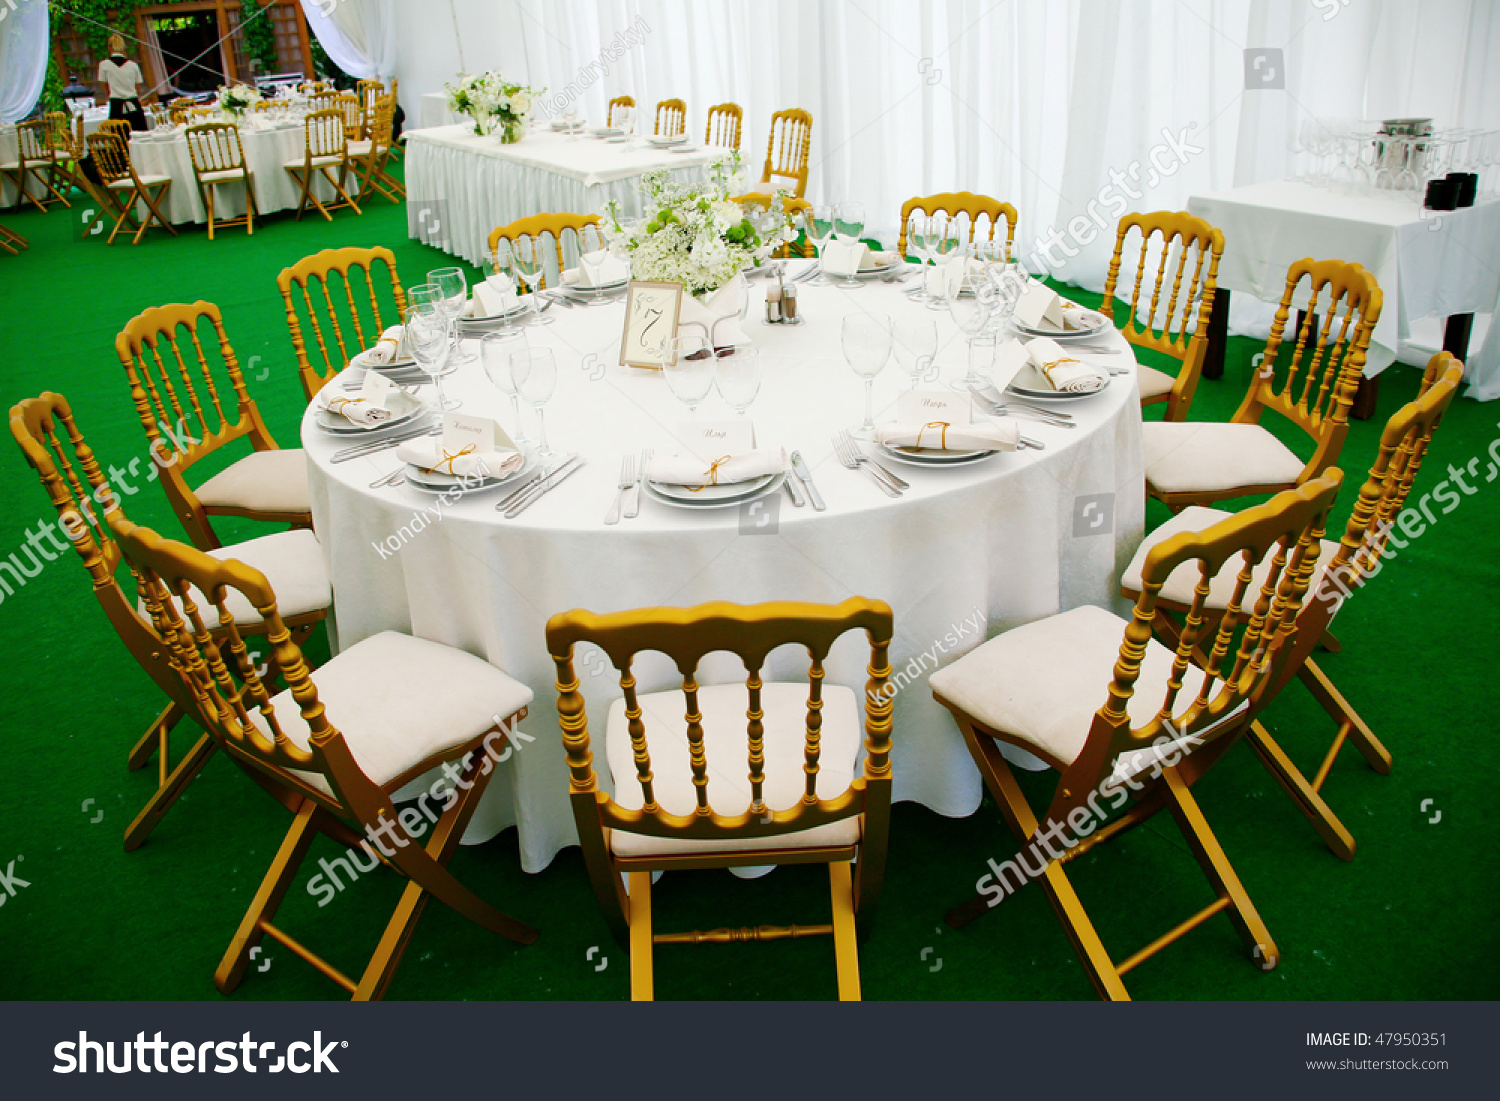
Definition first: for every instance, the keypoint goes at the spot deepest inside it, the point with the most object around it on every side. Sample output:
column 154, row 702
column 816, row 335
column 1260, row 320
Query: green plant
column 52, row 87
column 258, row 34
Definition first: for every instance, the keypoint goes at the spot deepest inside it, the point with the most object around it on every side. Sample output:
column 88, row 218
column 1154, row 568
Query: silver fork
column 627, row 479
column 860, row 457
column 850, row 456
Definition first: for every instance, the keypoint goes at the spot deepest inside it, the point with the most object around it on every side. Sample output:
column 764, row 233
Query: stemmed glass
column 867, row 346
column 919, row 241
column 526, row 262
column 848, row 224
column 688, row 362
column 914, row 341
column 495, row 351
column 737, row 375
column 817, row 223
column 943, row 242
column 592, row 265
column 970, row 308
column 455, row 288
column 427, row 337
column 535, row 373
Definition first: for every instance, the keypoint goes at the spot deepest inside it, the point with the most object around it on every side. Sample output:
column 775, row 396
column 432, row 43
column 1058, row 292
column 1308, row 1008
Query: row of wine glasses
column 522, row 374
column 692, row 367
column 843, row 221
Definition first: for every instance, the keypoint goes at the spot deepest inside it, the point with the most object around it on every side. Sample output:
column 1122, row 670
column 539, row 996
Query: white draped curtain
column 359, row 36
column 23, row 57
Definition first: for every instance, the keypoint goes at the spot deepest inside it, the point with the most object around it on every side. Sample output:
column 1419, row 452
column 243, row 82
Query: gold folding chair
column 354, row 115
column 953, row 203
column 180, row 111
column 671, row 118
column 555, row 224
column 369, row 93
column 218, row 159
column 127, row 189
column 65, row 152
column 1195, row 463
column 118, row 128
column 1176, row 234
column 327, row 148
column 371, row 155
column 1343, row 567
column 724, row 125
column 787, row 152
column 168, row 370
column 312, row 277
column 34, row 162
column 795, row 208
column 800, row 801
column 1032, row 687
column 618, row 101
column 323, row 97
column 80, row 492
column 409, row 706
column 12, row 242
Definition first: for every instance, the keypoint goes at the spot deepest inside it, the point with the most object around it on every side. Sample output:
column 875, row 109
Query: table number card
column 926, row 406
column 709, row 440
column 651, row 313
column 375, row 388
column 1039, row 304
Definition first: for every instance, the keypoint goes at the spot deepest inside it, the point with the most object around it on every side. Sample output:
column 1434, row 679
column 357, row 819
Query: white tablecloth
column 266, row 152
column 990, row 544
column 1428, row 264
column 460, row 185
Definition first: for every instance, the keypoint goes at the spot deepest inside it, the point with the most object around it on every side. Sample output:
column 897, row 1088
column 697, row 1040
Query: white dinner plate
column 1100, row 324
column 724, row 496
column 522, row 305
column 580, row 292
column 661, row 140
column 404, row 409
column 931, row 456
column 605, row 131
column 871, row 273
column 1031, row 383
column 434, row 481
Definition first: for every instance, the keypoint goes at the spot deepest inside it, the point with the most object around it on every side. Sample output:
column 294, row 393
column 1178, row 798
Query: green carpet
column 1414, row 916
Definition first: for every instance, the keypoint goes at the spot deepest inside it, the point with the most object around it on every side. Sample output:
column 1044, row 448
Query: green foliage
column 259, row 35
column 96, row 20
column 52, row 87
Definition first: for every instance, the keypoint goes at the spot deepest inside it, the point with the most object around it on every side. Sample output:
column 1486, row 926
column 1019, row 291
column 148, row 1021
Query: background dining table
column 965, row 553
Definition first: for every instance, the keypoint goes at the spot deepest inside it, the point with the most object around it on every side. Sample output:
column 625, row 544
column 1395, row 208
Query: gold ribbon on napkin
column 448, row 459
column 943, row 439
column 1047, row 368
column 336, row 405
column 712, row 474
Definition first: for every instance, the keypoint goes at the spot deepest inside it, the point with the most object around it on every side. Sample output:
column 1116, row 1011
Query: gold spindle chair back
column 787, row 151
column 1178, row 237
column 617, row 102
column 215, row 147
column 116, row 127
column 322, row 98
column 354, row 115
column 724, row 121
column 671, row 118
column 554, row 225
column 340, row 329
column 976, row 208
column 369, row 93
column 110, row 156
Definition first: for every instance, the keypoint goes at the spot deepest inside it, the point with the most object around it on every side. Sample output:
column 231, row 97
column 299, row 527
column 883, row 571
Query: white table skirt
column 1428, row 264
column 460, row 186
column 266, row 154
column 991, row 544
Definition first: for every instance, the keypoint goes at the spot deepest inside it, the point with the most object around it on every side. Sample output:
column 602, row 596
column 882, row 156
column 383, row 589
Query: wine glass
column 427, row 337
column 495, row 351
column 535, row 373
column 592, row 265
column 945, row 243
column 848, row 224
column 455, row 288
column 970, row 308
column 914, row 341
column 737, row 375
column 867, row 346
column 817, row 223
column 526, row 262
column 919, row 241
column 688, row 362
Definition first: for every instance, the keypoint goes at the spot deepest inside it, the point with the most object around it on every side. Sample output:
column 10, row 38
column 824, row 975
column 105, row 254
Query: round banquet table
column 964, row 554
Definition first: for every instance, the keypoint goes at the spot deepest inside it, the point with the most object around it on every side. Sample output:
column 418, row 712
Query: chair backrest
column 1208, row 698
column 325, row 134
column 1178, row 235
column 555, row 224
column 353, row 109
column 795, row 208
column 180, row 110
column 686, row 636
column 788, row 149
column 214, row 147
column 724, row 125
column 369, row 92
column 312, row 280
column 111, row 157
column 382, row 121
column 172, row 384
column 60, row 134
column 116, row 127
column 34, row 140
column 671, row 118
column 322, row 99
column 618, row 101
column 954, row 203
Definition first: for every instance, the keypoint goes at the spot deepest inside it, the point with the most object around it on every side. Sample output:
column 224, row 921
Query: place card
column 1009, row 360
column 461, row 431
column 926, row 406
column 945, row 279
column 1039, row 304
column 710, row 440
column 843, row 257
column 375, row 388
column 651, row 313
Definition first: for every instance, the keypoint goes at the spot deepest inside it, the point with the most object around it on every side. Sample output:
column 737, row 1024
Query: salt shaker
column 773, row 305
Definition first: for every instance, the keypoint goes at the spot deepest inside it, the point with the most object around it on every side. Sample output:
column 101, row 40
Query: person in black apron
column 122, row 81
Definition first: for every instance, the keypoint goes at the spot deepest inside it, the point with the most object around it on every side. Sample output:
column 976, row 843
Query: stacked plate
column 405, row 372
column 1031, row 383
column 710, row 497
column 934, row 456
column 435, row 481
column 405, row 410
column 586, row 292
column 522, row 303
column 606, row 131
column 1097, row 323
column 662, row 140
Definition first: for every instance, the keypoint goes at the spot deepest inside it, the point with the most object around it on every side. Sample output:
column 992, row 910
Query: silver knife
column 799, row 467
column 370, row 447
column 577, row 463
column 633, row 506
column 794, row 489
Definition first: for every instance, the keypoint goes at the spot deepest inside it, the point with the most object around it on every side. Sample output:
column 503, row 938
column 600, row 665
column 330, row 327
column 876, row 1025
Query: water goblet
column 495, row 351
column 535, row 373
column 866, row 341
column 688, row 363
column 737, row 375
column 427, row 338
column 914, row 342
column 455, row 288
column 848, row 224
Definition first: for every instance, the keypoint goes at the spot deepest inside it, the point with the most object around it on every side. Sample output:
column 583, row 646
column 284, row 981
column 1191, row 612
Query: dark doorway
column 190, row 50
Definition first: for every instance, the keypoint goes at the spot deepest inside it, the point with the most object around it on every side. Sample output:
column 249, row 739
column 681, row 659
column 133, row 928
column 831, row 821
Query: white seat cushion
column 1187, row 457
column 146, row 181
column 292, row 562
column 9, row 166
column 1042, row 683
column 1180, row 584
column 400, row 700
column 222, row 175
column 359, row 148
column 1153, row 383
column 264, row 481
column 727, row 748
column 318, row 162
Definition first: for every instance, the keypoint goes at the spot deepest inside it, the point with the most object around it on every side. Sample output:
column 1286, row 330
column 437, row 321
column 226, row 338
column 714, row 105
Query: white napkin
column 1061, row 370
column 494, row 296
column 390, row 347
column 945, row 279
column 718, row 316
column 613, row 270
column 428, row 454
column 848, row 257
column 688, row 470
column 356, row 410
column 1076, row 317
column 978, row 436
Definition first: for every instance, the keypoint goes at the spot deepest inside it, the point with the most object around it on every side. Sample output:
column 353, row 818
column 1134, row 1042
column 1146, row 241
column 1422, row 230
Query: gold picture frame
column 652, row 310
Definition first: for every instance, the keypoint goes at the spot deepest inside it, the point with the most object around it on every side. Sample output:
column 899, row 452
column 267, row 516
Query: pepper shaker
column 789, row 303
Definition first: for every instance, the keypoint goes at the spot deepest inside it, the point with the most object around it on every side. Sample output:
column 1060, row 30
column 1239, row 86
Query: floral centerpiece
column 495, row 104
column 235, row 100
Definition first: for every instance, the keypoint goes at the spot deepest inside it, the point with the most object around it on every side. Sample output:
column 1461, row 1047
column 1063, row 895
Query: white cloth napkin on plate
column 689, row 470
column 356, row 410
column 978, row 436
column 613, row 270
column 718, row 315
column 492, row 297
column 390, row 347
column 427, row 454
column 1061, row 370
column 839, row 257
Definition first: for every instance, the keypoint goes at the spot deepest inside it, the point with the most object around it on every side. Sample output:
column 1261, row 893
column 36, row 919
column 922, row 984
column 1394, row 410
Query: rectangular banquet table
column 1428, row 263
column 461, row 185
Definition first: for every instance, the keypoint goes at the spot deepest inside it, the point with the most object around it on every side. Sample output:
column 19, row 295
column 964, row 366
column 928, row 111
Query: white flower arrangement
column 494, row 103
column 695, row 234
column 238, row 98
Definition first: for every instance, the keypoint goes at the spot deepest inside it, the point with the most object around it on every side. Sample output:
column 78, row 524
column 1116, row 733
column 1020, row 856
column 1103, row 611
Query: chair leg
column 1333, row 702
column 166, row 795
column 398, row 933
column 1216, row 867
column 208, row 202
column 1308, row 801
column 642, row 984
column 273, row 888
column 151, row 741
column 845, row 944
